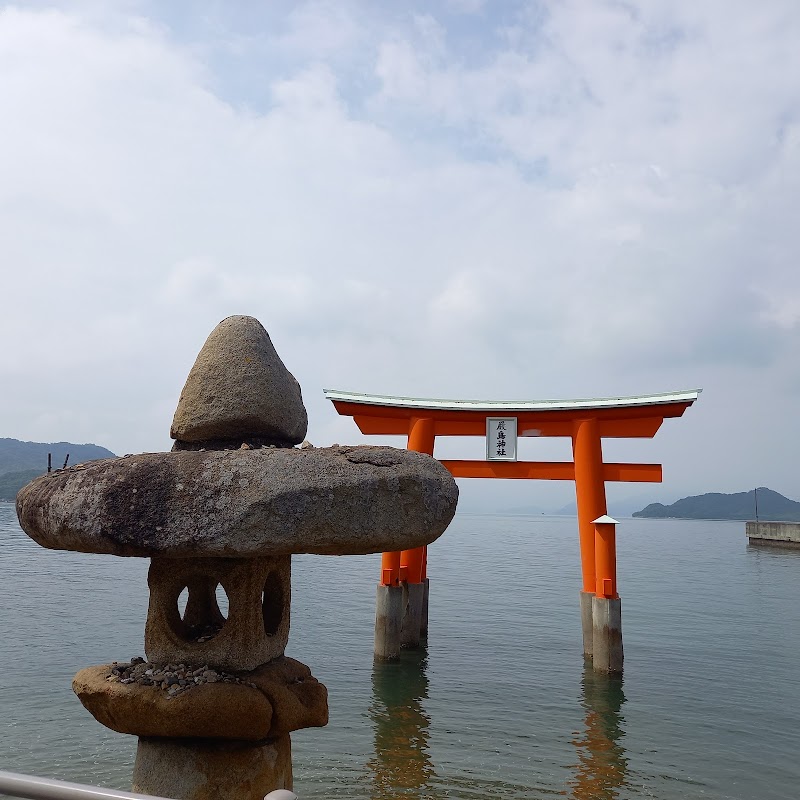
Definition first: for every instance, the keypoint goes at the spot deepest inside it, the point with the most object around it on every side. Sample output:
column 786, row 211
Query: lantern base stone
column 187, row 769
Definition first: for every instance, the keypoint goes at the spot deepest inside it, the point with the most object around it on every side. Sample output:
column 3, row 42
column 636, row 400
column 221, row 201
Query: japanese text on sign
column 501, row 438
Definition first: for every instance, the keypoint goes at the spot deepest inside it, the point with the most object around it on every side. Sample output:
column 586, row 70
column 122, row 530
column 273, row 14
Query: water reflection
column 602, row 764
column 401, row 763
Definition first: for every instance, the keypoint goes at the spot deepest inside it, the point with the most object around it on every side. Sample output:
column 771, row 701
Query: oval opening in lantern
column 272, row 603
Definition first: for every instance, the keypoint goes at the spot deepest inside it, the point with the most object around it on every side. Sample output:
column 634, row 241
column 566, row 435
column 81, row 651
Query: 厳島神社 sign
column 501, row 438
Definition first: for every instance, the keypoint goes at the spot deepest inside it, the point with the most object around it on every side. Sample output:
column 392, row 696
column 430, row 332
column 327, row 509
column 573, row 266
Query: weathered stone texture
column 239, row 387
column 194, row 770
column 253, row 633
column 244, row 503
column 283, row 697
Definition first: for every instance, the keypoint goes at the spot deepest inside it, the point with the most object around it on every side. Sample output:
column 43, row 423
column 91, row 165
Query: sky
column 458, row 199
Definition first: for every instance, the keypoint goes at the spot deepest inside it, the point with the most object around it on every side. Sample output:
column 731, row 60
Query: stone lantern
column 216, row 699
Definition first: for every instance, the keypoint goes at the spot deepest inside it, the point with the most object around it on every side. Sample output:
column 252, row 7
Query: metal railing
column 35, row 788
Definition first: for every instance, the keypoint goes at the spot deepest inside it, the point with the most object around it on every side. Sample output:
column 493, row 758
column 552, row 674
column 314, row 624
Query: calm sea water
column 501, row 703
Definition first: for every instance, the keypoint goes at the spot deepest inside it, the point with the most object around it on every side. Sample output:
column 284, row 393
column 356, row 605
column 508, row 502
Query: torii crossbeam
column 586, row 422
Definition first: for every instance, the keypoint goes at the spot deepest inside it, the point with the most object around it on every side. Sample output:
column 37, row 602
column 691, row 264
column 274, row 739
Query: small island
column 761, row 503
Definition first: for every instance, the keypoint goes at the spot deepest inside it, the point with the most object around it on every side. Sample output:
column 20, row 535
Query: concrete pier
column 388, row 619
column 586, row 622
column 411, row 627
column 423, row 629
column 780, row 534
column 607, row 639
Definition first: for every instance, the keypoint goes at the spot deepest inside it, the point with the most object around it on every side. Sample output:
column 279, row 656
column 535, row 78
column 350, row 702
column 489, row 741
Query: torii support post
column 402, row 594
column 590, row 491
column 606, row 606
column 388, row 609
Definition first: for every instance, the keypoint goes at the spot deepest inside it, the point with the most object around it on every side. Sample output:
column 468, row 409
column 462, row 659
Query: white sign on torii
column 501, row 438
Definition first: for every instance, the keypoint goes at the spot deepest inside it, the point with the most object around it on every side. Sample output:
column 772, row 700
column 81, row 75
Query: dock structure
column 777, row 534
column 403, row 590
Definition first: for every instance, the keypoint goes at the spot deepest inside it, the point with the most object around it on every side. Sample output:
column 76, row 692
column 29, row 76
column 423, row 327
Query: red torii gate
column 402, row 618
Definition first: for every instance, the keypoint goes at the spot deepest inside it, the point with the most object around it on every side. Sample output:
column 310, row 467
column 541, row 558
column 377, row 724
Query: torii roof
column 639, row 416
column 684, row 397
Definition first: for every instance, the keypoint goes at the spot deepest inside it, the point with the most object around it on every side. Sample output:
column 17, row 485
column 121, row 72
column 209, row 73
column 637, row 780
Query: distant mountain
column 16, row 456
column 21, row 462
column 741, row 505
column 12, row 482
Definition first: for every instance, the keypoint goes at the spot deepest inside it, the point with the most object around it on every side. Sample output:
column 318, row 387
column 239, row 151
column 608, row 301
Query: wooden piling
column 607, row 641
column 586, row 622
column 388, row 619
column 411, row 628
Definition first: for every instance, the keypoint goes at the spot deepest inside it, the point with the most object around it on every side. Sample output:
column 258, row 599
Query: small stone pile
column 172, row 678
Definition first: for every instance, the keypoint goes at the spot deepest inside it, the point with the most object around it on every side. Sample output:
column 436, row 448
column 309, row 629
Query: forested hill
column 741, row 505
column 21, row 462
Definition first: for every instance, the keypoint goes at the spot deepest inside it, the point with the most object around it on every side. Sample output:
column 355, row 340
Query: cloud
column 599, row 198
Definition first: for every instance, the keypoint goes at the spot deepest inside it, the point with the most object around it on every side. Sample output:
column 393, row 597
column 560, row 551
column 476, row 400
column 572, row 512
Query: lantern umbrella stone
column 242, row 503
column 215, row 701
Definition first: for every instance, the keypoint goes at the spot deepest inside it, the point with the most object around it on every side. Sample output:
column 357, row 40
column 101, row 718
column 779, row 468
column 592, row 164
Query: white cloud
column 601, row 198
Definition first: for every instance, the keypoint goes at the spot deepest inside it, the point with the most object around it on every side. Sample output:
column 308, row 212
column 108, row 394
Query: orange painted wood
column 377, row 426
column 642, row 428
column 605, row 559
column 421, row 435
column 421, row 438
column 549, row 470
column 632, row 473
column 390, row 569
column 590, row 492
column 412, row 563
column 538, row 470
column 525, row 418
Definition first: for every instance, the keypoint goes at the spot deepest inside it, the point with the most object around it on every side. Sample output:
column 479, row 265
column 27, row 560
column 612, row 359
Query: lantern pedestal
column 196, row 770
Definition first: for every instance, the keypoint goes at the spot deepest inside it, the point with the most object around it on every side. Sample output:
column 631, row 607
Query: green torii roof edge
column 686, row 396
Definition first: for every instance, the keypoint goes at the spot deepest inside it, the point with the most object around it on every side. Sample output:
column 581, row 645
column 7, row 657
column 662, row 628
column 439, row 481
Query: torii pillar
column 402, row 593
column 590, row 493
column 606, row 608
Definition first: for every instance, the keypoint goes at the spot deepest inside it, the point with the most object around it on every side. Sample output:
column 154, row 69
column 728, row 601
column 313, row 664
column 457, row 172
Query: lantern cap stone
column 239, row 389
column 604, row 520
column 243, row 503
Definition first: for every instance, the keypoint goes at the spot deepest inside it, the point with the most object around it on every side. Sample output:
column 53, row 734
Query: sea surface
column 500, row 704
